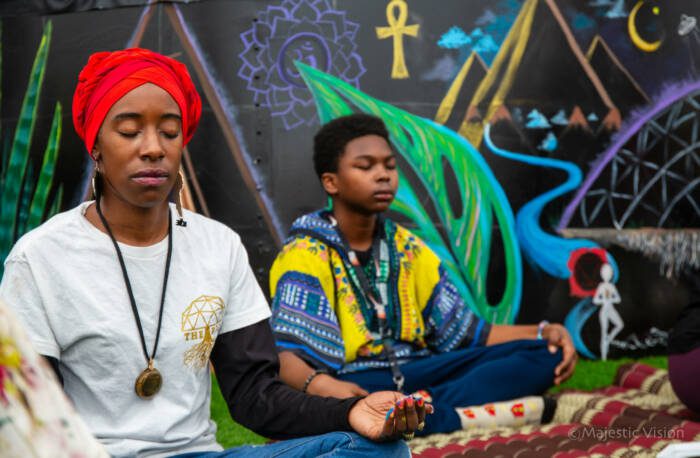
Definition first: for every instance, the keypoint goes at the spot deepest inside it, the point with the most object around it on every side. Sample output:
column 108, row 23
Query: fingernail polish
column 389, row 413
column 420, row 402
column 409, row 402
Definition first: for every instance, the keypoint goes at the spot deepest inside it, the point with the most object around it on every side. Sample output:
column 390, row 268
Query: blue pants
column 468, row 377
column 338, row 444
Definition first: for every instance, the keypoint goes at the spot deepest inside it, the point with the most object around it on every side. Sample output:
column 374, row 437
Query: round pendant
column 148, row 383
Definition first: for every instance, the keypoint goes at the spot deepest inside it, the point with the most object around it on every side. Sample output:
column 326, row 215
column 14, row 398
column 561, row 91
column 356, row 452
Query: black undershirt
column 364, row 256
column 247, row 368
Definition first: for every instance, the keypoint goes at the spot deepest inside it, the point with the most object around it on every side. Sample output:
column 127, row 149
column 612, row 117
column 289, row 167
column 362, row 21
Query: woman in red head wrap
column 130, row 306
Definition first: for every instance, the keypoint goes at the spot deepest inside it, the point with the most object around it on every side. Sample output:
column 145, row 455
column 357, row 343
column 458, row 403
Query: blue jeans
column 470, row 377
column 337, row 444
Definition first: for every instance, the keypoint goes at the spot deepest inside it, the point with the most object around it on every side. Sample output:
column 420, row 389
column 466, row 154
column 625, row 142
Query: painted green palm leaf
column 424, row 144
column 14, row 174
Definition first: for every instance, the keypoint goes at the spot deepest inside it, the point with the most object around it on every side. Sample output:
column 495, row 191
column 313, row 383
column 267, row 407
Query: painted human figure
column 606, row 296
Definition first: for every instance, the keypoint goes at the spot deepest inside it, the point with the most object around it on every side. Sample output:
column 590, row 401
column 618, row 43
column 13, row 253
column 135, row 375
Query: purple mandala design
column 310, row 31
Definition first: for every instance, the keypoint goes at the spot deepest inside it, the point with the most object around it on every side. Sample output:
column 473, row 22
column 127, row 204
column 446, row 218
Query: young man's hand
column 328, row 386
column 387, row 415
column 557, row 336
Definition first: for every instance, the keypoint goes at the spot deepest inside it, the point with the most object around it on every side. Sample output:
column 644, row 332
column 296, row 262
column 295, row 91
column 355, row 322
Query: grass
column 589, row 375
column 597, row 374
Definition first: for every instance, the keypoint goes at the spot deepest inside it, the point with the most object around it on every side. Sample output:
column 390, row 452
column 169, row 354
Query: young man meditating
column 130, row 298
column 361, row 304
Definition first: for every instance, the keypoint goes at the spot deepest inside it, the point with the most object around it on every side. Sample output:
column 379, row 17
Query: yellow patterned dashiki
column 320, row 312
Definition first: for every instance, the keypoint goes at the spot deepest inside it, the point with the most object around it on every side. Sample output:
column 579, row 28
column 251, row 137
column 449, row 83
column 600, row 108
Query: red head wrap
column 108, row 76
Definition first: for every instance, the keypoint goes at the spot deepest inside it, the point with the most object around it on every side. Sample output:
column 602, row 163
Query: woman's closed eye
column 128, row 133
column 170, row 127
column 171, row 134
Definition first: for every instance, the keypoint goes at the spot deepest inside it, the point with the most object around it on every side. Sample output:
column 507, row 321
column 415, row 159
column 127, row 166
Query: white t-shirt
column 64, row 281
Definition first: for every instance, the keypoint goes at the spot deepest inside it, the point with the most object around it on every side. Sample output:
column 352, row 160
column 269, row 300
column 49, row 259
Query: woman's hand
column 388, row 415
column 328, row 386
column 557, row 336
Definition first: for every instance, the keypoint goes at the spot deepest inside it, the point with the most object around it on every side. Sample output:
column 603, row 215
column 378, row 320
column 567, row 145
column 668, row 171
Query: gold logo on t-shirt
column 200, row 320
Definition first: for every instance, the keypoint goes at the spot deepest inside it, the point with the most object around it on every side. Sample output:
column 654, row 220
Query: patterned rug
column 636, row 417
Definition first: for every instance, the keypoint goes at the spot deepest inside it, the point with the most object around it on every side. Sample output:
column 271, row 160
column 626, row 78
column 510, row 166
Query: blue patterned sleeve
column 450, row 323
column 303, row 321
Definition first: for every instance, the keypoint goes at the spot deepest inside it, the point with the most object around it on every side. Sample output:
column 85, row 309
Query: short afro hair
column 331, row 139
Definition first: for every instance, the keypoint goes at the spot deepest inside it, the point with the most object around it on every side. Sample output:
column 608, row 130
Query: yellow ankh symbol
column 397, row 28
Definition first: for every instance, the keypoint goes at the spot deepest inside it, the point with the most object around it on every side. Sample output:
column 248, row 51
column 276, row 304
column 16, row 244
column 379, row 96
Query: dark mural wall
column 538, row 140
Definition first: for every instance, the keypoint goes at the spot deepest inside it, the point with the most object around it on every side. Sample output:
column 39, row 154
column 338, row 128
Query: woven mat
column 636, row 417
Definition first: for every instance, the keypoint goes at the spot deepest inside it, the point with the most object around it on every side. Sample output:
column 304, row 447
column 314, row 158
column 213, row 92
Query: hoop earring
column 95, row 184
column 178, row 200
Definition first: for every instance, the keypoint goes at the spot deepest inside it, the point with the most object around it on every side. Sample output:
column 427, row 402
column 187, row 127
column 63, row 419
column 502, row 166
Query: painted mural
column 549, row 149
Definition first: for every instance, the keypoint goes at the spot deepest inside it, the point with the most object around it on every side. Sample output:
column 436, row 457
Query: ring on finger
column 421, row 425
column 408, row 436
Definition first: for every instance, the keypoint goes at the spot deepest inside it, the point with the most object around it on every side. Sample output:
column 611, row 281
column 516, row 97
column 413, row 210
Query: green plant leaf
column 25, row 198
column 425, row 145
column 57, row 200
column 3, row 160
column 48, row 167
column 21, row 144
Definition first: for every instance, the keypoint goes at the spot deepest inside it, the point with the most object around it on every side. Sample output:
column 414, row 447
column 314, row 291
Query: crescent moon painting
column 639, row 42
